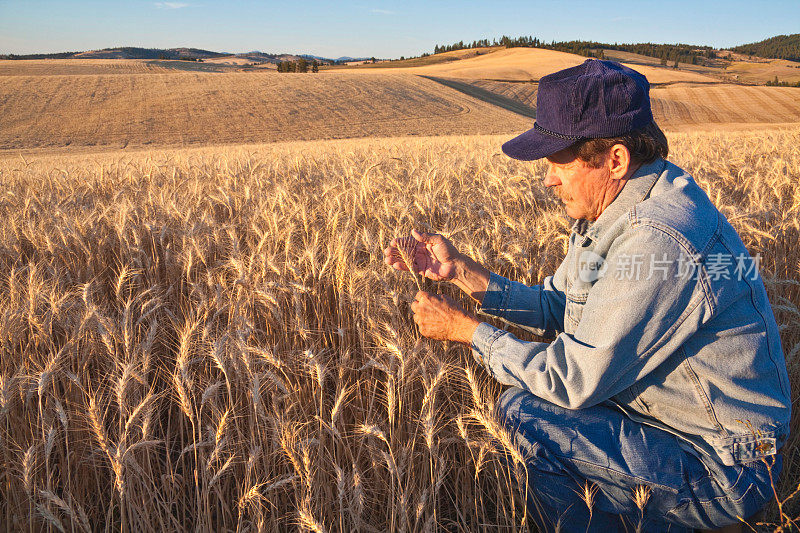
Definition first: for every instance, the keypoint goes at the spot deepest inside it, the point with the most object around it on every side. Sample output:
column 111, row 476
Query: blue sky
column 382, row 29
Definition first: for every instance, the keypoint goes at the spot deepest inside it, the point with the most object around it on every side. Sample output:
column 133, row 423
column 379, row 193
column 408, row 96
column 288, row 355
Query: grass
column 208, row 338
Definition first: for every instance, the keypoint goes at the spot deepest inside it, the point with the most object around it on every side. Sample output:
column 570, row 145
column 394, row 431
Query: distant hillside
column 126, row 52
column 130, row 52
column 133, row 52
column 345, row 59
column 683, row 53
column 779, row 47
column 260, row 57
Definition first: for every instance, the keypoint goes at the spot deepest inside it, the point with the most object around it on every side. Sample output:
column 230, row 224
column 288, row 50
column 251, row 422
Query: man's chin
column 573, row 213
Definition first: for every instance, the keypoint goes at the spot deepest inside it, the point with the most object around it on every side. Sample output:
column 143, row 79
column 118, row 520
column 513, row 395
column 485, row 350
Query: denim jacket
column 659, row 309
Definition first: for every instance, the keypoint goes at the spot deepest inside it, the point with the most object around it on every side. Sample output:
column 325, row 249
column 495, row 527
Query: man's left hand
column 439, row 317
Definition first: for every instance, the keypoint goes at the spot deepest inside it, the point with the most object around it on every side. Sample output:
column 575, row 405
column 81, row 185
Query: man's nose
column 550, row 178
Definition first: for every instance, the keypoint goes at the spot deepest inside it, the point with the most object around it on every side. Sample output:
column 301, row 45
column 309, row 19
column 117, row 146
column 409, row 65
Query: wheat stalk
column 407, row 247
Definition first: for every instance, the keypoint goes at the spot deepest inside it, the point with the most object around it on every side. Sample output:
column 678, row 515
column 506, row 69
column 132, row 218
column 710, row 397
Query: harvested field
column 207, row 339
column 683, row 106
column 516, row 101
column 764, row 71
column 200, row 108
column 696, row 106
column 530, row 64
column 76, row 67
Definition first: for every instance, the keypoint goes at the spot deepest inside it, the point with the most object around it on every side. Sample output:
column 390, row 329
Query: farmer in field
column 664, row 391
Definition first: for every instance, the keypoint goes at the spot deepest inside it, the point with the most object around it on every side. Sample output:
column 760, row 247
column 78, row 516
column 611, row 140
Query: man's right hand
column 434, row 256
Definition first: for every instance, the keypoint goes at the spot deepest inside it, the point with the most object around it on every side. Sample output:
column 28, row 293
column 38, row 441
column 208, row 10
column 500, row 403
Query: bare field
column 207, row 338
column 180, row 108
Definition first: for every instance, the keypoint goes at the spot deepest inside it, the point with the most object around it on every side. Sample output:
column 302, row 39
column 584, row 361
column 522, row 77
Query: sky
column 382, row 29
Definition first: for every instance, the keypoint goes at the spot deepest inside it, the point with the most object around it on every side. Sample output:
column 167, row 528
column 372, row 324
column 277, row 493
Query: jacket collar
column 635, row 190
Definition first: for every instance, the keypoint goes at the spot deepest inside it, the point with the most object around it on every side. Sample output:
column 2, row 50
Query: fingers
column 391, row 256
column 427, row 238
column 420, row 299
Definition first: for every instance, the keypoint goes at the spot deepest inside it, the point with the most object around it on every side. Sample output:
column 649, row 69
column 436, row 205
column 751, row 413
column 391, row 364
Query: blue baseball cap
column 592, row 100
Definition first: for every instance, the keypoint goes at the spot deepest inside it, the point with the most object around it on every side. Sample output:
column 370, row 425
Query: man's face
column 580, row 187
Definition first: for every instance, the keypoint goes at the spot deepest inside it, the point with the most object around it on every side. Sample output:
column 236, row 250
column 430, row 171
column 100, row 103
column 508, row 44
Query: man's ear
column 618, row 161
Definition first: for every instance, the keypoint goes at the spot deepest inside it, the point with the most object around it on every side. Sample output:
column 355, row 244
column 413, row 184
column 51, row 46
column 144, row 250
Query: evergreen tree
column 778, row 47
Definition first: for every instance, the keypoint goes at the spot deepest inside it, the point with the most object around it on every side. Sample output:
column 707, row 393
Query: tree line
column 301, row 65
column 777, row 83
column 668, row 53
column 778, row 47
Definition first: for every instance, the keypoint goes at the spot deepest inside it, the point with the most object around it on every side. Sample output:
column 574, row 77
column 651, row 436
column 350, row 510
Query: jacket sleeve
column 626, row 329
column 539, row 309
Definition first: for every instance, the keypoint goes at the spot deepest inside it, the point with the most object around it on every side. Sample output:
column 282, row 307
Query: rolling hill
column 131, row 52
column 530, row 64
column 180, row 108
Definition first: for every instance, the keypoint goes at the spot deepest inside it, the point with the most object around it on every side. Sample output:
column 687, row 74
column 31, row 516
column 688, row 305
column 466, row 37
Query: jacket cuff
column 482, row 340
column 495, row 300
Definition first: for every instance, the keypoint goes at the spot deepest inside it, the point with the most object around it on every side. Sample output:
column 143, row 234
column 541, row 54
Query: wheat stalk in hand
column 407, row 247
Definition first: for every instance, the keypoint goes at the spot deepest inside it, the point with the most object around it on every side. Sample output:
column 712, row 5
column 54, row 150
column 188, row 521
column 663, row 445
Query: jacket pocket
column 700, row 393
column 574, row 307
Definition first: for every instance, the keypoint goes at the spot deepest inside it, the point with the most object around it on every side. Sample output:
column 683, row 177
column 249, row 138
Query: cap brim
column 534, row 144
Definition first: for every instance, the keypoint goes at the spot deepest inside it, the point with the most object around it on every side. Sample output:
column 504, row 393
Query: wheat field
column 207, row 339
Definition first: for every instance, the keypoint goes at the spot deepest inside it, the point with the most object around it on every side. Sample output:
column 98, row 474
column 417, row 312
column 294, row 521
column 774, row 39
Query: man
column 664, row 392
